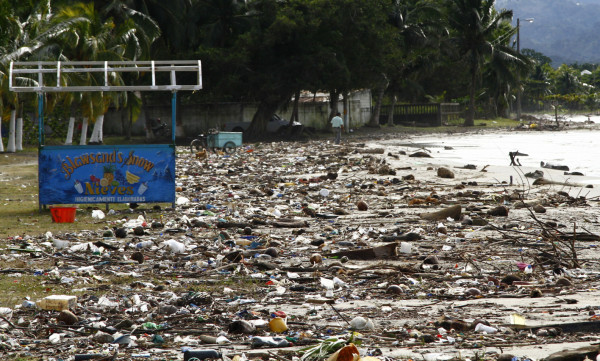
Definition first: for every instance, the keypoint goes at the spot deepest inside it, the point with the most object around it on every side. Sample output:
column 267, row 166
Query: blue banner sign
column 107, row 174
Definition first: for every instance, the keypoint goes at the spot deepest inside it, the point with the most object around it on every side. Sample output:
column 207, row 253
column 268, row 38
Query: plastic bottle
column 28, row 304
column 484, row 328
column 243, row 242
column 144, row 244
column 190, row 355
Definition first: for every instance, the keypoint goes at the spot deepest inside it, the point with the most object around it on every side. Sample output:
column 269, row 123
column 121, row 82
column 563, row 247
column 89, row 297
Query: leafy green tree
column 270, row 49
column 537, row 85
column 417, row 35
column 363, row 53
column 310, row 44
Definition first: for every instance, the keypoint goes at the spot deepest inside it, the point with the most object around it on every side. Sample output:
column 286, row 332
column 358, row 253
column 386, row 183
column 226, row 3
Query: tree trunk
column 84, row 127
column 258, row 127
column 346, row 112
column 148, row 121
column 265, row 111
column 470, row 118
column 96, row 136
column 334, row 98
column 148, row 128
column 124, row 117
column 72, row 118
column 10, row 146
column 129, row 123
column 374, row 121
column 390, row 121
column 19, row 137
column 69, row 139
column 1, row 141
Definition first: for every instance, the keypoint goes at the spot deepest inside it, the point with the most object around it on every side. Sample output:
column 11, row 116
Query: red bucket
column 63, row 214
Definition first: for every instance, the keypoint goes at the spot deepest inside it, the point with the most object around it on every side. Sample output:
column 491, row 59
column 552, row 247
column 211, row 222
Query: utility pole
column 519, row 91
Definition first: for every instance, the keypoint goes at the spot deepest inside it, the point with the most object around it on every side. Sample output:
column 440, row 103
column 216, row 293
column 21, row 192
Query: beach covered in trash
column 382, row 248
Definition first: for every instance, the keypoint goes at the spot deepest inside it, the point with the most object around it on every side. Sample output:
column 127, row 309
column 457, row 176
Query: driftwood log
column 453, row 212
column 381, row 252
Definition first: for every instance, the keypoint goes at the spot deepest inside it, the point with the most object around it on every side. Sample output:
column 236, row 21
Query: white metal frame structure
column 35, row 70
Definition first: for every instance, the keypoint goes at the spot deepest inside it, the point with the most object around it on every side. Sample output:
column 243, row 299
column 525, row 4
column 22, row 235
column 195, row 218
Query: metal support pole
column 40, row 133
column 518, row 73
column 173, row 115
column 41, row 119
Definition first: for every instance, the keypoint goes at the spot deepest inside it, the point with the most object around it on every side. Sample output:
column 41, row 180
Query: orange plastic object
column 63, row 214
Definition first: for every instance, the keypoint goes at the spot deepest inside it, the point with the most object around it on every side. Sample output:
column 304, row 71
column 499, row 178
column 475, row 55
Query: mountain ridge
column 564, row 38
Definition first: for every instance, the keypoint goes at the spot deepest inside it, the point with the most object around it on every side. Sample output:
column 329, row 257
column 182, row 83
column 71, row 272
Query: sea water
column 577, row 149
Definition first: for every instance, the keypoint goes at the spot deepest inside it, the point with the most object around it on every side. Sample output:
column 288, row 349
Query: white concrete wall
column 199, row 118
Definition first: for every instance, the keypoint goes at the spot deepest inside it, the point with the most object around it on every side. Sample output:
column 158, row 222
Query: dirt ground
column 371, row 241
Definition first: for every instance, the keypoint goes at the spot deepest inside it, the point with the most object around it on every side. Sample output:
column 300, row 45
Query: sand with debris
column 519, row 258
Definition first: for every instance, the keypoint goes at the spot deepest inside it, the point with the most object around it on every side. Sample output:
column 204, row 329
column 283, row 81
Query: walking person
column 337, row 124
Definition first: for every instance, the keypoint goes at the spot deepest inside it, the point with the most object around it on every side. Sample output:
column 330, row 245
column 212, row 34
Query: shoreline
column 444, row 153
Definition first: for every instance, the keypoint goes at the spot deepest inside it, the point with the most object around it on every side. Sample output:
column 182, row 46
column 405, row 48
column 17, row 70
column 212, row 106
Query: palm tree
column 136, row 15
column 98, row 39
column 174, row 20
column 474, row 25
column 24, row 40
column 501, row 76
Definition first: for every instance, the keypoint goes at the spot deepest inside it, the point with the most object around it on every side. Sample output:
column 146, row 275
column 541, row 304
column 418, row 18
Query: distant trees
column 265, row 51
column 571, row 87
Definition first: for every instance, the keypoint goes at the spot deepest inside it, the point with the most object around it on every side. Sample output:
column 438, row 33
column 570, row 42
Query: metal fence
column 423, row 115
column 450, row 112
